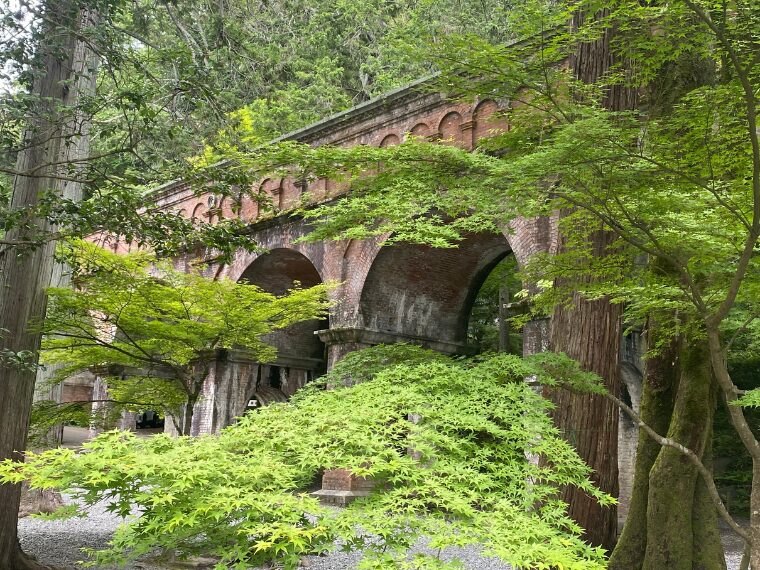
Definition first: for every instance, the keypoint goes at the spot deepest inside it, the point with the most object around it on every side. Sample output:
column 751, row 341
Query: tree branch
column 704, row 472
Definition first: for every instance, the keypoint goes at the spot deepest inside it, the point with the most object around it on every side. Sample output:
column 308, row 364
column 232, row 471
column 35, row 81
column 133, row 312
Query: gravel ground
column 59, row 543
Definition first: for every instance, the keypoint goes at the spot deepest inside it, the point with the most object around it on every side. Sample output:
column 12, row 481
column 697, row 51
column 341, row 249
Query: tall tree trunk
column 754, row 517
column 54, row 135
column 673, row 479
column 660, row 385
column 708, row 553
column 590, row 332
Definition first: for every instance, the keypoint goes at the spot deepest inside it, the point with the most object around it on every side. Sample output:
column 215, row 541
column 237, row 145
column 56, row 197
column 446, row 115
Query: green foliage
column 23, row 359
column 362, row 365
column 483, row 329
column 47, row 414
column 670, row 180
column 733, row 464
column 445, row 441
column 673, row 172
column 152, row 330
column 750, row 399
column 173, row 74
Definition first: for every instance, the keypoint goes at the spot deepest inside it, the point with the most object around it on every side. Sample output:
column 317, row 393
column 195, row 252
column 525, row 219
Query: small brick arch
column 224, row 210
column 389, row 140
column 420, row 130
column 450, row 128
column 199, row 212
column 269, row 193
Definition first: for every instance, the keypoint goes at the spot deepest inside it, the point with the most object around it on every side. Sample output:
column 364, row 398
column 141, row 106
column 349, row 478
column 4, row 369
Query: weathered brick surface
column 408, row 293
column 428, row 292
column 78, row 388
column 400, row 293
column 76, row 393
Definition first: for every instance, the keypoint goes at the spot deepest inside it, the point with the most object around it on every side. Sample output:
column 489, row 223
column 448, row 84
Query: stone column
column 127, row 420
column 536, row 336
column 632, row 384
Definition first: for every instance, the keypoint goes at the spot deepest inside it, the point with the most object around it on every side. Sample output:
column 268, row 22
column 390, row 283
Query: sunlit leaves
column 445, row 441
column 163, row 325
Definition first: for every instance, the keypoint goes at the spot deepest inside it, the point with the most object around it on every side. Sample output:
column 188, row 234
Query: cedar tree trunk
column 590, row 333
column 54, row 134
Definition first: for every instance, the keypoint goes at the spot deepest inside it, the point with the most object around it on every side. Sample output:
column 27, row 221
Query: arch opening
column 300, row 352
column 426, row 295
column 491, row 308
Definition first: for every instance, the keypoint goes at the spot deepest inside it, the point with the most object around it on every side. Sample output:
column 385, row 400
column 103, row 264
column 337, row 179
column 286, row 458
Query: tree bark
column 660, row 385
column 673, row 479
column 708, row 550
column 754, row 517
column 52, row 136
column 38, row 501
column 590, row 333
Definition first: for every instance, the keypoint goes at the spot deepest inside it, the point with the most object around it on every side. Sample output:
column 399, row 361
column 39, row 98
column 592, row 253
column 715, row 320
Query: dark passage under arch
column 300, row 352
column 426, row 292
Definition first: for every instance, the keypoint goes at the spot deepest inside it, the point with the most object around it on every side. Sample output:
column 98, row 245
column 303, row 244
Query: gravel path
column 59, row 543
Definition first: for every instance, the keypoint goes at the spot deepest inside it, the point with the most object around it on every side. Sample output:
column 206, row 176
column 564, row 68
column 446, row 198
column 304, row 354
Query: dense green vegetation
column 644, row 148
column 444, row 440
column 150, row 329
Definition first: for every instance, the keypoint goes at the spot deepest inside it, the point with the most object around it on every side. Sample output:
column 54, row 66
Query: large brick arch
column 277, row 271
column 427, row 293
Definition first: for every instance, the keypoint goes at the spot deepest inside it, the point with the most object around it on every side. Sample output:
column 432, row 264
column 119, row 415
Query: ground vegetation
column 444, row 440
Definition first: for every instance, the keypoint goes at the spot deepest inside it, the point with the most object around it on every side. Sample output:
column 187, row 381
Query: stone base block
column 338, row 498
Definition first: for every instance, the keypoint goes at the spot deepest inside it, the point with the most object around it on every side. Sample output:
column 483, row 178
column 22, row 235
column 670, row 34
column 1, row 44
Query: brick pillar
column 468, row 134
column 337, row 350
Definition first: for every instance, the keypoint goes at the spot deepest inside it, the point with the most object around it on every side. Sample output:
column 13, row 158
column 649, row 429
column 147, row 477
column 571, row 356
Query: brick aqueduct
column 401, row 293
column 386, row 294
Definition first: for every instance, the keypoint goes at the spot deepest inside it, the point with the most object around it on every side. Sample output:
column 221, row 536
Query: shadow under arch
column 424, row 294
column 300, row 352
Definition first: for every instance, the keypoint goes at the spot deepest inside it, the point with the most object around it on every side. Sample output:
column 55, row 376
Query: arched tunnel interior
column 300, row 352
column 452, row 295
